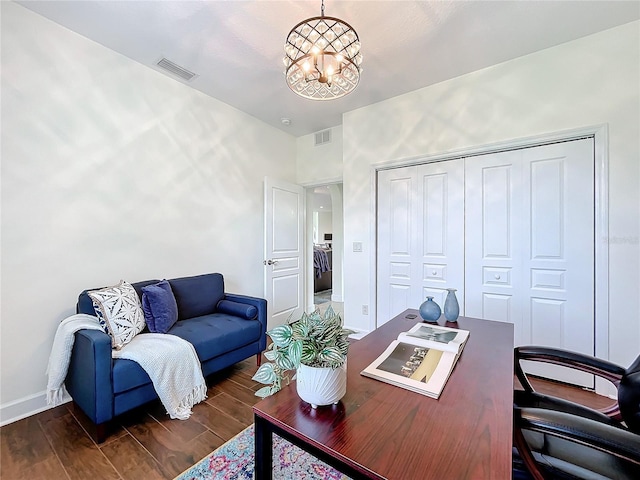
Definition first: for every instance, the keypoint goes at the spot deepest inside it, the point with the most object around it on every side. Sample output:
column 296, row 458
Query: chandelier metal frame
column 322, row 58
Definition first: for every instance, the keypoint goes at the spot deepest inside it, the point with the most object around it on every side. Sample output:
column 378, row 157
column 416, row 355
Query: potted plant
column 316, row 347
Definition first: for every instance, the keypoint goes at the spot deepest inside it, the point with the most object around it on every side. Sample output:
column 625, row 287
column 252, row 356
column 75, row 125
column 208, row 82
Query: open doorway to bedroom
column 325, row 239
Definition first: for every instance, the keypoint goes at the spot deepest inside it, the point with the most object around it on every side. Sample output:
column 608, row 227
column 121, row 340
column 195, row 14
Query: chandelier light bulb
column 322, row 58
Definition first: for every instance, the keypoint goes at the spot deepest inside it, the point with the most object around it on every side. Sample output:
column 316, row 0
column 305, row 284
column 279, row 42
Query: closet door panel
column 493, row 237
column 441, row 236
column 559, row 261
column 397, row 224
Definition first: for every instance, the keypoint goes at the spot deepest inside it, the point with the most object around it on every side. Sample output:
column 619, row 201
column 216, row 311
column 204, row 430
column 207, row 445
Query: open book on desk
column 421, row 359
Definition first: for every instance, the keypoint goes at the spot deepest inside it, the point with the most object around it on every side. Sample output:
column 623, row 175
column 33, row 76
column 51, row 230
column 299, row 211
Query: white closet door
column 495, row 233
column 530, row 258
column 397, row 226
column 420, row 235
column 440, row 258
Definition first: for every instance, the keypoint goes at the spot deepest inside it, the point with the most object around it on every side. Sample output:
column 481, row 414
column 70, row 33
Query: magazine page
column 435, row 336
column 416, row 368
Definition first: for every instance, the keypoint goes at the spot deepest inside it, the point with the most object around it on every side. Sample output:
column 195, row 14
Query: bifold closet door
column 529, row 248
column 420, row 236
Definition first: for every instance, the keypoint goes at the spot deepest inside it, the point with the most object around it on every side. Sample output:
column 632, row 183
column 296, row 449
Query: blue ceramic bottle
column 451, row 307
column 430, row 310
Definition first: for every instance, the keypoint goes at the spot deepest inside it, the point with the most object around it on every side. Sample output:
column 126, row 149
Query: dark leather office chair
column 559, row 439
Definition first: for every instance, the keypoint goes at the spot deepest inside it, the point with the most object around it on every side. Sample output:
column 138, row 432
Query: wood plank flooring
column 148, row 445
column 145, row 444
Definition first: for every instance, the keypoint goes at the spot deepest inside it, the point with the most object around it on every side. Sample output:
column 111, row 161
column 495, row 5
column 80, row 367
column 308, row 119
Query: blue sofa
column 223, row 328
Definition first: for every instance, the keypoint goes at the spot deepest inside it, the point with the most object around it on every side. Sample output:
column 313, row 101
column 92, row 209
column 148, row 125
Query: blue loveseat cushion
column 197, row 296
column 216, row 334
column 248, row 312
column 128, row 374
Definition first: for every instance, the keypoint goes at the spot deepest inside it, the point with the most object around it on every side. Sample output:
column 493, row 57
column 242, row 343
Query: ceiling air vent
column 323, row 137
column 175, row 69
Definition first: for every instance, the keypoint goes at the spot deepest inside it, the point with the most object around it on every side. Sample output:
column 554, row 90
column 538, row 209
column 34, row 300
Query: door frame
column 308, row 243
column 600, row 135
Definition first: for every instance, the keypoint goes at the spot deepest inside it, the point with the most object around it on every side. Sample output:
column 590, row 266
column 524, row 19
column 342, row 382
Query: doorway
column 324, row 233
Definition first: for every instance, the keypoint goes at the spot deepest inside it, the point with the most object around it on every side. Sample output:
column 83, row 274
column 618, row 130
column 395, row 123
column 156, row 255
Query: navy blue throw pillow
column 242, row 310
column 159, row 306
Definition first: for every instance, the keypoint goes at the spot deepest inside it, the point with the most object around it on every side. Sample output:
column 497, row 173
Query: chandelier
column 322, row 58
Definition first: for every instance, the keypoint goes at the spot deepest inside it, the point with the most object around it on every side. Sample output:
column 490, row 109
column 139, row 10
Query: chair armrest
column 88, row 380
column 606, row 438
column 261, row 305
column 585, row 363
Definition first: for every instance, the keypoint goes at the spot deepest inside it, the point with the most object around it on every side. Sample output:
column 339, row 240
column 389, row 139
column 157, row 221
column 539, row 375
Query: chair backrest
column 629, row 396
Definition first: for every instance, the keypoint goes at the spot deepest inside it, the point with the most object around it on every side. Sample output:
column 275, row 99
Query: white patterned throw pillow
column 119, row 312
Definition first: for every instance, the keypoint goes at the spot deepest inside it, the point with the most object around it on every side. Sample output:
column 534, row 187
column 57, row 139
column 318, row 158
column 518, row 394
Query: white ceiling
column 236, row 47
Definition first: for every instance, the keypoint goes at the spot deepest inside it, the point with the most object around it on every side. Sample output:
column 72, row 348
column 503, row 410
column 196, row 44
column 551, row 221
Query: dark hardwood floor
column 146, row 444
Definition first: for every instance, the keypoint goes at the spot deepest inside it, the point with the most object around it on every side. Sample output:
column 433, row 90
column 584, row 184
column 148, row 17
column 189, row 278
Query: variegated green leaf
column 295, row 352
column 281, row 335
column 266, row 391
column 308, row 354
column 265, row 374
column 284, row 361
column 331, row 355
column 270, row 355
column 300, row 329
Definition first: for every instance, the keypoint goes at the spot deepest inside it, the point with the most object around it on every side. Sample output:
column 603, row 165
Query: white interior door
column 283, row 240
column 420, row 236
column 530, row 259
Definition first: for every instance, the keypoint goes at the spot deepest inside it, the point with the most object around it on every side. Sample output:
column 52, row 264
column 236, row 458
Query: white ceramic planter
column 321, row 386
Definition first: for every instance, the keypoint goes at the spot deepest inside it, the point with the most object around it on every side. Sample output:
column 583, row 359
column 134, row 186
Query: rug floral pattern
column 234, row 461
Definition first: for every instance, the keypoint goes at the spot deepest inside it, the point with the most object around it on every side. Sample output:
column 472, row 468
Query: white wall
column 590, row 81
column 321, row 164
column 337, row 294
column 325, row 224
column 111, row 170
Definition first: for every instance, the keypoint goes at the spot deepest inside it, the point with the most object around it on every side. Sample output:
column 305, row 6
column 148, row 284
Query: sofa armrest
column 261, row 305
column 90, row 372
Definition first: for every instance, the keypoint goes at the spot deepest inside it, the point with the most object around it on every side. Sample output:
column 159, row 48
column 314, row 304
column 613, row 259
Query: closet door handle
column 270, row 262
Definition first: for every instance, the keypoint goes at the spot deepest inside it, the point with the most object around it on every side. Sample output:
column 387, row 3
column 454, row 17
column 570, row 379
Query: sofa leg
column 259, row 359
column 102, row 432
column 98, row 432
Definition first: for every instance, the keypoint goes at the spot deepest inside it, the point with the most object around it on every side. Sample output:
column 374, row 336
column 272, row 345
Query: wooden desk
column 382, row 431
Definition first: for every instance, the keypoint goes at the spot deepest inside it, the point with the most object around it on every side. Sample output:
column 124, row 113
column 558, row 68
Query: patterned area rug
column 234, row 461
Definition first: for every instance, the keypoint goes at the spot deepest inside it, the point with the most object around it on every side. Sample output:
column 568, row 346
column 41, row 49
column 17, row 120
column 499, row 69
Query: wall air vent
column 323, row 137
column 175, row 69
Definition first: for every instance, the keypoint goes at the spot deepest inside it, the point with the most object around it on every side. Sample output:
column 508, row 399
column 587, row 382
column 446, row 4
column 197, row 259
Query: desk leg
column 263, row 449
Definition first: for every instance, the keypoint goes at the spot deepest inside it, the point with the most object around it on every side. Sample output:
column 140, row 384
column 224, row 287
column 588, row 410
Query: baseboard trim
column 25, row 407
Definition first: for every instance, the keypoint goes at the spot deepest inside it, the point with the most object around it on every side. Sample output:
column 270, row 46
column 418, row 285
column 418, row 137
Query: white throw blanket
column 174, row 368
column 61, row 353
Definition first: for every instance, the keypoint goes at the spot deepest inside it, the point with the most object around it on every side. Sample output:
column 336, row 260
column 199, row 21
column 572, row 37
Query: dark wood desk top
column 388, row 432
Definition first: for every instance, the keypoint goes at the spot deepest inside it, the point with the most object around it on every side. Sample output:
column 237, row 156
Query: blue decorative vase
column 430, row 310
column 451, row 307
